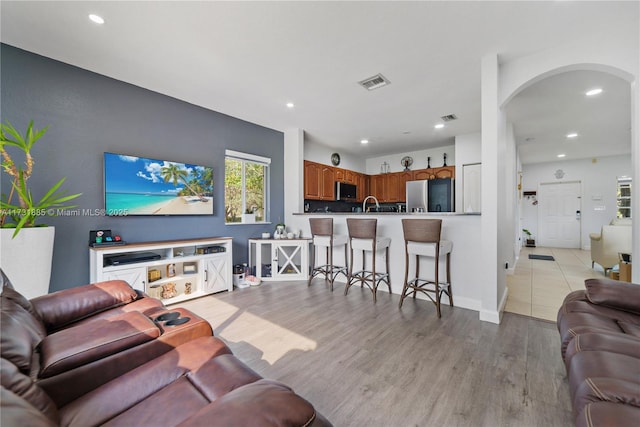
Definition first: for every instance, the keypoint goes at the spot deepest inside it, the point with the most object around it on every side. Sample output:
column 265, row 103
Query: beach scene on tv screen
column 142, row 186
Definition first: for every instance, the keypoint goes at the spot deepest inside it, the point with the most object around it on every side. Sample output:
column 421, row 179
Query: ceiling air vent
column 374, row 82
column 449, row 117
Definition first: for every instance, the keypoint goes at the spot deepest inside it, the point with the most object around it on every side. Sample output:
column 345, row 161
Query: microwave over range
column 346, row 191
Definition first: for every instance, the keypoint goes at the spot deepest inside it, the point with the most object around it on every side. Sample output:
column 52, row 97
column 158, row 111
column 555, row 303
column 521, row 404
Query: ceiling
column 248, row 59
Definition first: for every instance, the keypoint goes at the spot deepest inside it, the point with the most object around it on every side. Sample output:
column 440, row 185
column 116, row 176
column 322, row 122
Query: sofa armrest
column 613, row 293
column 595, row 236
column 272, row 403
column 80, row 345
column 64, row 307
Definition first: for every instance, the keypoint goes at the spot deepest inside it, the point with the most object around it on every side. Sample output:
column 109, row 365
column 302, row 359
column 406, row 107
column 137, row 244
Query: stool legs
column 417, row 284
column 370, row 278
column 328, row 270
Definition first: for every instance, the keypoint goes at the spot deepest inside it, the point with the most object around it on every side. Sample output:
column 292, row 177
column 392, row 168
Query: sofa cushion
column 612, row 293
column 272, row 404
column 21, row 333
column 606, row 390
column 16, row 411
column 62, row 308
column 630, row 329
column 607, row 414
column 609, row 342
column 202, row 356
column 9, row 292
column 23, row 386
column 602, row 364
column 79, row 345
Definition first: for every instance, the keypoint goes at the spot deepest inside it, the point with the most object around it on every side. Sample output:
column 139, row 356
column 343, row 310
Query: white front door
column 559, row 212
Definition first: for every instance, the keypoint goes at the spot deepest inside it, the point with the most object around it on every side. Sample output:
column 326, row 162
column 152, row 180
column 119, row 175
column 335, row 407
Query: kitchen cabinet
column 362, row 181
column 327, row 179
column 319, row 181
column 392, row 188
column 445, row 172
column 345, row 175
column 402, row 185
column 377, row 187
column 421, row 174
column 434, row 173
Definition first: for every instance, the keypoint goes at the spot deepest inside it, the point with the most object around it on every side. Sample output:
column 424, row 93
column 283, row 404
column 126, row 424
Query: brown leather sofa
column 600, row 334
column 103, row 354
column 72, row 341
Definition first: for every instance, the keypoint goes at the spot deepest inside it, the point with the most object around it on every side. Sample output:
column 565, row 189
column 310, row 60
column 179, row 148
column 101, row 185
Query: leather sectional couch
column 600, row 334
column 104, row 354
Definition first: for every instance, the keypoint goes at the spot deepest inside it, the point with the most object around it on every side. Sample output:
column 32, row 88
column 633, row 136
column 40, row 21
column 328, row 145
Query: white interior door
column 559, row 215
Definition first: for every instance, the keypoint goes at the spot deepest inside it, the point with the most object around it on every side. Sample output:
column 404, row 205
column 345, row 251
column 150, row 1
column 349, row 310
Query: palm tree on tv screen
column 174, row 173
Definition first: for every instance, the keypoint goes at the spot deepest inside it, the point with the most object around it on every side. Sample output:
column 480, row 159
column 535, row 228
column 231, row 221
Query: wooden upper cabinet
column 392, row 184
column 445, row 172
column 327, row 177
column 312, row 184
column 362, row 182
column 402, row 184
column 345, row 175
column 434, row 173
column 318, row 181
column 377, row 187
column 420, row 174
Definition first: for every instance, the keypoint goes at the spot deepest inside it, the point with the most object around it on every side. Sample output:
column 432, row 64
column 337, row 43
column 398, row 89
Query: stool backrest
column 422, row 230
column 321, row 226
column 362, row 228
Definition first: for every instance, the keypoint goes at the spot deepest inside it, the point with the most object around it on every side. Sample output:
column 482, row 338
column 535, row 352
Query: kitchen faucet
column 365, row 202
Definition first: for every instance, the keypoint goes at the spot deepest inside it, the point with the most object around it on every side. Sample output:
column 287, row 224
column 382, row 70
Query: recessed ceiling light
column 364, row 141
column 572, row 135
column 593, row 92
column 561, row 155
column 439, row 126
column 290, row 105
column 97, row 19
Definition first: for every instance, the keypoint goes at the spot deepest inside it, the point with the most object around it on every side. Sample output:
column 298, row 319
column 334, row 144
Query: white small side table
column 279, row 259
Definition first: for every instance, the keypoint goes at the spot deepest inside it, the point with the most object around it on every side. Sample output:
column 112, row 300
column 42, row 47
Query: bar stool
column 422, row 238
column 323, row 237
column 362, row 236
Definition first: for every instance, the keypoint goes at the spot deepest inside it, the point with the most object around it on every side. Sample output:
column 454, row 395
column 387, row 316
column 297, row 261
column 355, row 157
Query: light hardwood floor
column 537, row 287
column 365, row 364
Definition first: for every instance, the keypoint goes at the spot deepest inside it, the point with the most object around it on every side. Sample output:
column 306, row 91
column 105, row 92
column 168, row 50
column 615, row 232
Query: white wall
column 599, row 185
column 468, row 150
column 322, row 154
column 419, row 159
column 293, row 173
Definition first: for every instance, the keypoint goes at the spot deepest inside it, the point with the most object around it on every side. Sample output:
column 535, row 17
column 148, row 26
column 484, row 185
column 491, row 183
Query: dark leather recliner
column 100, row 354
column 600, row 335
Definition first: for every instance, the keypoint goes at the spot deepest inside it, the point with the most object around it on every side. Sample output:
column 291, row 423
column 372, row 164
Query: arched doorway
column 542, row 112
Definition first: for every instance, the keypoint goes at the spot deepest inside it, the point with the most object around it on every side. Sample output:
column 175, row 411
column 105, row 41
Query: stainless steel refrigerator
column 434, row 195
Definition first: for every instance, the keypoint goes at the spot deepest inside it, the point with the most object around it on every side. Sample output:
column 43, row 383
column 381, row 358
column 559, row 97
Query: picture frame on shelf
column 171, row 270
column 189, row 268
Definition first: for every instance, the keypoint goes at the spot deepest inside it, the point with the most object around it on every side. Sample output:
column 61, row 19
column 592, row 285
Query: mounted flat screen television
column 141, row 186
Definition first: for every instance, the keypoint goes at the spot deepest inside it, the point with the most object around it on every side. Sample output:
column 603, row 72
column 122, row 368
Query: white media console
column 172, row 271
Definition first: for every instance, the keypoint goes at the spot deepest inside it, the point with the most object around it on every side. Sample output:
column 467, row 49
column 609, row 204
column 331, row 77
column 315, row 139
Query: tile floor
column 537, row 287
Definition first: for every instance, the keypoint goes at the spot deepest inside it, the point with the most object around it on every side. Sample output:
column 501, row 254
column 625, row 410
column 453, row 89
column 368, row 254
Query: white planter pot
column 248, row 218
column 26, row 259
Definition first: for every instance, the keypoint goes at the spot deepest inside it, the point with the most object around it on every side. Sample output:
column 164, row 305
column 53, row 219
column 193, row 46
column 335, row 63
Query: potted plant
column 530, row 240
column 27, row 247
column 250, row 215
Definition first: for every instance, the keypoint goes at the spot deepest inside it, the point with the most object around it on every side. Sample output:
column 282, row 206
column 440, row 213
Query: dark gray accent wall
column 89, row 114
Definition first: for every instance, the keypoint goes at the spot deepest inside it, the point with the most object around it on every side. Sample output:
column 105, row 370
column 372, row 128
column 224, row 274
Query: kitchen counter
column 392, row 213
column 462, row 229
